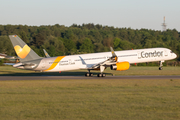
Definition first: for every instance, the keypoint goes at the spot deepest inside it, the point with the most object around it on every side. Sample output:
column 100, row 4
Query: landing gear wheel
column 160, row 68
column 88, row 74
column 101, row 75
column 91, row 75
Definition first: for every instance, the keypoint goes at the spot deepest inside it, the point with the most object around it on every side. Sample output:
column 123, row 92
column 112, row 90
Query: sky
column 135, row 14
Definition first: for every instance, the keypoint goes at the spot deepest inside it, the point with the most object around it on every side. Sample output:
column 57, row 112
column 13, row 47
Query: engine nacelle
column 120, row 66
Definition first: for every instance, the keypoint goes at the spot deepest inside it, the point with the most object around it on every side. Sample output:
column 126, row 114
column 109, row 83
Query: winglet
column 46, row 54
column 113, row 54
column 112, row 51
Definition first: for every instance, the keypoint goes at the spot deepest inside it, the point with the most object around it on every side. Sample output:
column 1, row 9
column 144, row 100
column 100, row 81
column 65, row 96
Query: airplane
column 116, row 60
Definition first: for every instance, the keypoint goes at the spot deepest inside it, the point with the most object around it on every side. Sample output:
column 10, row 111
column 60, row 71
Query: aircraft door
column 60, row 66
column 43, row 63
column 139, row 55
column 70, row 61
column 165, row 53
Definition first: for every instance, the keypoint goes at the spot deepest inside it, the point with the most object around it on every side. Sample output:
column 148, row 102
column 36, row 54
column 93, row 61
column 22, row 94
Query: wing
column 9, row 64
column 106, row 63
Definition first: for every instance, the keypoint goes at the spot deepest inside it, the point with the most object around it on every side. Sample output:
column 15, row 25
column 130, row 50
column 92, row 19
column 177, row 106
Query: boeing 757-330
column 116, row 60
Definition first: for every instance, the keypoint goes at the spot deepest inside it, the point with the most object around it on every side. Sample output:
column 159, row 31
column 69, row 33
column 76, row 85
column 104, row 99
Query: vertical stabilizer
column 24, row 52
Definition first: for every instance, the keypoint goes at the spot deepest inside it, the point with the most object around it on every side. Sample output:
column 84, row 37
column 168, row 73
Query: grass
column 10, row 71
column 90, row 99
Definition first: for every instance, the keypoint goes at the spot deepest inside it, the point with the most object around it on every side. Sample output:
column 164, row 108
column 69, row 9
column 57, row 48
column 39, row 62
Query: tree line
column 86, row 38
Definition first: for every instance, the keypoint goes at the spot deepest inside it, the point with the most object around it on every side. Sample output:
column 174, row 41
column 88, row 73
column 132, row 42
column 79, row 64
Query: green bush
column 1, row 62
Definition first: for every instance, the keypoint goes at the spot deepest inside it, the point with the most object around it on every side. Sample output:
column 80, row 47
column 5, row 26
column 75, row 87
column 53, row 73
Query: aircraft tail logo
column 22, row 52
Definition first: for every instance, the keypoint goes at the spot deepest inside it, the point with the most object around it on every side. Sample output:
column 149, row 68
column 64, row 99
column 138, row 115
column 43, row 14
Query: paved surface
column 4, row 78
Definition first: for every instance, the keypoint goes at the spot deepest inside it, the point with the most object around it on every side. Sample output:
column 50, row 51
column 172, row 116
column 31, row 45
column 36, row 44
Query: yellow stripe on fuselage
column 55, row 63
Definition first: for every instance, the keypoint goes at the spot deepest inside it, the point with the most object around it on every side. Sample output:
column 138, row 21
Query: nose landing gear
column 160, row 65
column 160, row 68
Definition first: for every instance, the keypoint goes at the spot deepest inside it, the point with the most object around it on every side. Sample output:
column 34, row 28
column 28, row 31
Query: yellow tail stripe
column 55, row 63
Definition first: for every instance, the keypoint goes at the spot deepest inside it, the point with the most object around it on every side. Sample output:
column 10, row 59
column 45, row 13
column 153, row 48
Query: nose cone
column 175, row 56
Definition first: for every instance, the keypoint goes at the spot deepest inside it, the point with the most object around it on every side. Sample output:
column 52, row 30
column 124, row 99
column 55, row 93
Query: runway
column 6, row 78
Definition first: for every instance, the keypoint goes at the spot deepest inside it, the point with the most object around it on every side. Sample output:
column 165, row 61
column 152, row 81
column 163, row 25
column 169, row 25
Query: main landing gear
column 88, row 74
column 101, row 75
column 98, row 75
column 160, row 65
column 101, row 70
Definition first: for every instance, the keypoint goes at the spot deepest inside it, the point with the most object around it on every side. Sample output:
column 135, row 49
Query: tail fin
column 24, row 52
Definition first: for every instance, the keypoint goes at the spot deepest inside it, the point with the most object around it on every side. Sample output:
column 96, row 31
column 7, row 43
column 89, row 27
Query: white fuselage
column 85, row 61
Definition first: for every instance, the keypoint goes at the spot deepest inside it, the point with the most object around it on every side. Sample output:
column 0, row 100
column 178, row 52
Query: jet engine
column 120, row 66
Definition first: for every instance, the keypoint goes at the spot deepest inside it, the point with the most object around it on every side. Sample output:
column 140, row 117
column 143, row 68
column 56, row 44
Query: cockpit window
column 172, row 52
